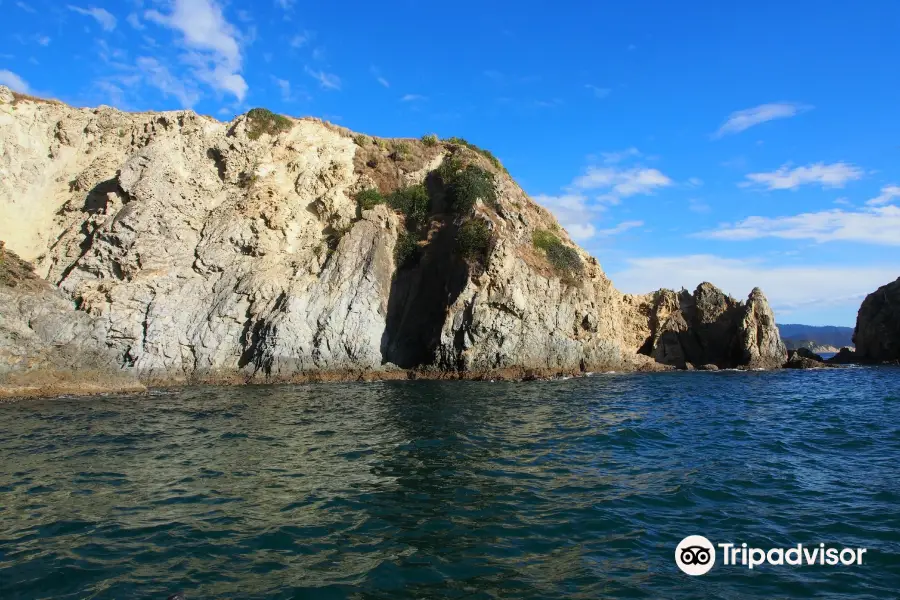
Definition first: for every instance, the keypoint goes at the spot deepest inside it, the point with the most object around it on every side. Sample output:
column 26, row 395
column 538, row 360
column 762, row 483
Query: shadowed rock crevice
column 419, row 300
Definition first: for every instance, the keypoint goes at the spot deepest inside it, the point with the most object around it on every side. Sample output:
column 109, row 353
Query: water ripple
column 577, row 489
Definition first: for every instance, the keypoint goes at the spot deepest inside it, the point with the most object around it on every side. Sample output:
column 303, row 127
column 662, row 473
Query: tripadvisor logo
column 696, row 555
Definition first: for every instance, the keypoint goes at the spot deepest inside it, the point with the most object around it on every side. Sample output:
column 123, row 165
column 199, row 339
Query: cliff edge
column 271, row 248
column 877, row 333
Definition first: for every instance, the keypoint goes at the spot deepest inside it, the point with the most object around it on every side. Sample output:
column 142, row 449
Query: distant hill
column 827, row 335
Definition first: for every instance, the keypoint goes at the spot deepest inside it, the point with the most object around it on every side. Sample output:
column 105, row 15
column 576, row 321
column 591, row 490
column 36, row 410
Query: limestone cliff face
column 209, row 249
column 46, row 346
column 877, row 334
column 711, row 328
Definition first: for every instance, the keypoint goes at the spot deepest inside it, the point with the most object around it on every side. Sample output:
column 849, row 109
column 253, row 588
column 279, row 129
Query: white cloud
column 412, row 98
column 879, row 226
column 573, row 212
column 828, row 176
column 599, row 92
column 612, row 158
column 157, row 75
column 301, row 39
column 25, row 7
column 888, row 194
column 104, row 17
column 786, row 287
column 620, row 228
column 741, row 120
column 212, row 42
column 135, row 21
column 14, row 82
column 376, row 73
column 622, row 182
column 285, row 4
column 695, row 182
column 329, row 81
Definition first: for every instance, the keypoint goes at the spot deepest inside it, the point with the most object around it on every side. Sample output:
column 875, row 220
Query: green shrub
column 360, row 140
column 407, row 251
column 263, row 120
column 564, row 259
column 430, row 140
column 400, row 151
column 380, row 143
column 467, row 185
column 458, row 141
column 473, row 239
column 543, row 239
column 369, row 198
column 412, row 201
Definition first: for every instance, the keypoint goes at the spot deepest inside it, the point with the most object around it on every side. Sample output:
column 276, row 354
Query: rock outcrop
column 711, row 328
column 46, row 346
column 877, row 334
column 202, row 250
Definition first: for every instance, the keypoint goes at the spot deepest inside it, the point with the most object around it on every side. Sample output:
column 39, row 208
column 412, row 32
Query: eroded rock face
column 46, row 346
column 710, row 328
column 877, row 334
column 198, row 252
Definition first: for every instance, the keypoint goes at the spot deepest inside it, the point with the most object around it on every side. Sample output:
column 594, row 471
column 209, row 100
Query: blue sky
column 741, row 143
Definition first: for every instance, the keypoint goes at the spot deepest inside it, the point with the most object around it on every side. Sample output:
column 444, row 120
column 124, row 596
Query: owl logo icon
column 695, row 555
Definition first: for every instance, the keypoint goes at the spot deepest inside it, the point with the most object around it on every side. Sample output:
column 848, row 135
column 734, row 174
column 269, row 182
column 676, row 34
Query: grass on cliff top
column 458, row 141
column 564, row 259
column 263, row 120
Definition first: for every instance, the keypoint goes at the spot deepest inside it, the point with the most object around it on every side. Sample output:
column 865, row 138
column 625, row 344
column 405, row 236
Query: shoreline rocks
column 877, row 333
column 184, row 249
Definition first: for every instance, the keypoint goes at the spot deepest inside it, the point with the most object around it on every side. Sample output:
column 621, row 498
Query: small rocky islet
column 164, row 248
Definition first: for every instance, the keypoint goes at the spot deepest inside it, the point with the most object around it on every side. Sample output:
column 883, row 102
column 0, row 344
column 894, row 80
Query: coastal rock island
column 275, row 249
column 877, row 333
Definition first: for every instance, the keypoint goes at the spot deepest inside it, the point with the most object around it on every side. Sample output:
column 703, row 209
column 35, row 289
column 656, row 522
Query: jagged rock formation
column 711, row 328
column 46, row 346
column 228, row 251
column 877, row 333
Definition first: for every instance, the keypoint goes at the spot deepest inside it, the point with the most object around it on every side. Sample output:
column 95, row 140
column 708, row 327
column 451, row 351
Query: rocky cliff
column 710, row 328
column 877, row 333
column 263, row 249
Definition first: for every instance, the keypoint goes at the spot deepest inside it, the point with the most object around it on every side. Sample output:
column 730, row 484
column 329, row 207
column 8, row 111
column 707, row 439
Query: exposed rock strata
column 199, row 253
column 710, row 328
column 877, row 334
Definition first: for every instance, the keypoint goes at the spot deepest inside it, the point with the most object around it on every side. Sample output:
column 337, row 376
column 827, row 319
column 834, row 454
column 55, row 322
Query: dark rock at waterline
column 877, row 334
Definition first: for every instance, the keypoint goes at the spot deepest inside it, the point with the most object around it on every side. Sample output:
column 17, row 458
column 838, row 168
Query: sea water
column 562, row 489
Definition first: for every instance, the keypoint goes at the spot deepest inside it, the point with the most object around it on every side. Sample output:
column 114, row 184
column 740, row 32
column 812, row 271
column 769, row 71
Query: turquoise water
column 565, row 489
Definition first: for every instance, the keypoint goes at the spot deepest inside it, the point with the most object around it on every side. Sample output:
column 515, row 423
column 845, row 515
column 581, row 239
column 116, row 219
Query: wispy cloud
column 301, row 39
column 43, row 40
column 101, row 15
column 25, row 7
column 135, row 21
column 285, row 4
column 875, row 226
column 212, row 42
column 888, row 194
column 376, row 73
column 285, row 86
column 787, row 287
column 328, row 81
column 620, row 228
column 574, row 213
column 622, row 182
column 14, row 82
column 742, row 120
column 827, row 176
column 614, row 158
column 412, row 98
column 158, row 75
column 599, row 92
